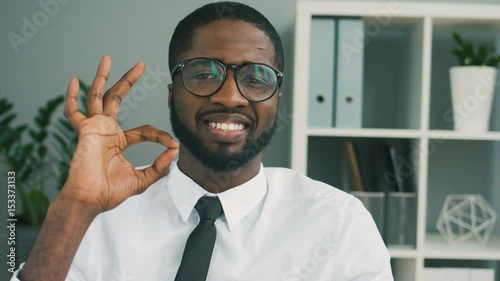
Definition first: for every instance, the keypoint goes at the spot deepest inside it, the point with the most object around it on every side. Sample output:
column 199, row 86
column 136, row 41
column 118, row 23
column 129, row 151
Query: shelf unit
column 406, row 98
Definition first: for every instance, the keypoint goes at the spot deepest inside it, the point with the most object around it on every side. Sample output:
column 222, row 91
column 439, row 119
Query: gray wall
column 71, row 40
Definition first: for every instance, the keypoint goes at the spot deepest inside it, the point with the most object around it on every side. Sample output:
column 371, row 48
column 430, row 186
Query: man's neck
column 216, row 181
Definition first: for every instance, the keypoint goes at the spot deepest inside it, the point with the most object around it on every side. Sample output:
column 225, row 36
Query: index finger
column 152, row 134
column 118, row 91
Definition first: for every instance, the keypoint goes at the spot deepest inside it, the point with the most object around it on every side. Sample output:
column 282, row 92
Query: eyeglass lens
column 204, row 77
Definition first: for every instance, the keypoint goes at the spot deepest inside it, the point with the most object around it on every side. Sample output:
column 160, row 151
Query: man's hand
column 100, row 176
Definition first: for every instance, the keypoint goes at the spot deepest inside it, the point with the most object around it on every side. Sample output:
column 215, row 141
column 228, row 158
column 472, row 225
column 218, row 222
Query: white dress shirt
column 279, row 226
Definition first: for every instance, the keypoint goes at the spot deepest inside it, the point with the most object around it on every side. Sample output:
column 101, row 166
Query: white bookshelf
column 405, row 99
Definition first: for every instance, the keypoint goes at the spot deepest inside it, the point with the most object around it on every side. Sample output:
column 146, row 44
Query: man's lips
column 227, row 121
column 225, row 127
column 226, row 132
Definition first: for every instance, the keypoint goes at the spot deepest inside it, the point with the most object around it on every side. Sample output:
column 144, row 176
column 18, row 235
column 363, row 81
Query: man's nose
column 229, row 95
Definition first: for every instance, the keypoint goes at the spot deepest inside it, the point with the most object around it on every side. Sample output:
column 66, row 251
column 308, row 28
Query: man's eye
column 255, row 82
column 205, row 76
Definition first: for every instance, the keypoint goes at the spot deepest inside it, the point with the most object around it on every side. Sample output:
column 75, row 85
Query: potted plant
column 24, row 149
column 473, row 84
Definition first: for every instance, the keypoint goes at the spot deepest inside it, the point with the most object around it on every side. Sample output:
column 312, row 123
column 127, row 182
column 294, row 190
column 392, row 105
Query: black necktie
column 200, row 243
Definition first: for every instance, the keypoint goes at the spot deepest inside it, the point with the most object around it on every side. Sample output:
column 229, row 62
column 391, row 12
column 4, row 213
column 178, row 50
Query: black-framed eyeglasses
column 203, row 77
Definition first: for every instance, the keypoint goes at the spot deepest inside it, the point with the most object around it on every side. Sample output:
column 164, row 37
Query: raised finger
column 152, row 134
column 115, row 94
column 71, row 109
column 96, row 91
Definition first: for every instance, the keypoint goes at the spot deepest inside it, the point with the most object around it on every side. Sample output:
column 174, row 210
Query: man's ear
column 170, row 90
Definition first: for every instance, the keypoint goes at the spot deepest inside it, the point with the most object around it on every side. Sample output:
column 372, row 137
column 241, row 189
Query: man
column 226, row 61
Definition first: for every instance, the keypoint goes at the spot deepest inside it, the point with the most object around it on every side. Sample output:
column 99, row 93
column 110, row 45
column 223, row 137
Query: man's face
column 245, row 127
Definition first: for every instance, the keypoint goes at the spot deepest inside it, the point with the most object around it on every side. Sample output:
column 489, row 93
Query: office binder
column 321, row 72
column 349, row 71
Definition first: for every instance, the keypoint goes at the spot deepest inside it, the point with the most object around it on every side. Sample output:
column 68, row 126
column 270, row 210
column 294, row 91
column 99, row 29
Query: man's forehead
column 231, row 40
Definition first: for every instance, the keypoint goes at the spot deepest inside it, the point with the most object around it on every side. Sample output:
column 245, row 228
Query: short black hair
column 182, row 38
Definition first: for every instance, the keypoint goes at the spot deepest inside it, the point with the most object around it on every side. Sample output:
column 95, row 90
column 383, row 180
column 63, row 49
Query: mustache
column 202, row 114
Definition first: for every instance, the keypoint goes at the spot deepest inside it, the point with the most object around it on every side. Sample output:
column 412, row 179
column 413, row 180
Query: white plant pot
column 472, row 89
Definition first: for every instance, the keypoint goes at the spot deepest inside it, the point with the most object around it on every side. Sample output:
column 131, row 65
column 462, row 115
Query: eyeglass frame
column 180, row 67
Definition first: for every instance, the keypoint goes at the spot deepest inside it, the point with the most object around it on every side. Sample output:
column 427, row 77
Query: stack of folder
column 336, row 72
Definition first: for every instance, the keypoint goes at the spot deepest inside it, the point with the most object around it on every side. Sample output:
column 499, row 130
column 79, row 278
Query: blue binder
column 349, row 70
column 321, row 72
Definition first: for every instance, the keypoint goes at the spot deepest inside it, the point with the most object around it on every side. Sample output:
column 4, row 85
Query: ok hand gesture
column 99, row 175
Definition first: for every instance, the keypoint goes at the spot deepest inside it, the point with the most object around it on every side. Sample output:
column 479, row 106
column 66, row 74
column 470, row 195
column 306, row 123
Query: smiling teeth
column 226, row 126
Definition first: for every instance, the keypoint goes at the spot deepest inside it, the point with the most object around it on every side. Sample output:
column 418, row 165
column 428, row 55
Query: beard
column 221, row 159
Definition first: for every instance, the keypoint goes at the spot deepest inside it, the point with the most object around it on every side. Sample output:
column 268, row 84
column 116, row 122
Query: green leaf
column 42, row 119
column 42, row 135
column 84, row 86
column 5, row 106
column 60, row 139
column 63, row 173
column 468, row 54
column 27, row 208
column 39, row 121
column 26, row 173
column 457, row 38
column 12, row 138
column 26, row 153
column 66, row 125
column 54, row 103
column 33, row 135
column 42, row 152
column 494, row 61
column 5, row 122
column 13, row 150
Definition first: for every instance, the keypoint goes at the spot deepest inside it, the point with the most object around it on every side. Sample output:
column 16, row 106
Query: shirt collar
column 236, row 202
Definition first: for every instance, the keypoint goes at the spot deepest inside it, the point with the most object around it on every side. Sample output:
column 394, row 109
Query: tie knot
column 209, row 207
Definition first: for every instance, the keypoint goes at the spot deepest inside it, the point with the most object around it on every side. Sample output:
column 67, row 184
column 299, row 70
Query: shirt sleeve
column 362, row 254
column 16, row 273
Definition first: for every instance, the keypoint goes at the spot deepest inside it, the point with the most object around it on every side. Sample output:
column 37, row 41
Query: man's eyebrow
column 241, row 63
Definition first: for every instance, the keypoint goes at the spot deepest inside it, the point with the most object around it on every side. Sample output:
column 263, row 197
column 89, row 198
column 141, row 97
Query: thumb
column 161, row 166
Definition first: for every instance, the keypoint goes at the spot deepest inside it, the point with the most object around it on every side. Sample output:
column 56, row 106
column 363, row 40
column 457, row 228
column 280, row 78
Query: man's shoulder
column 288, row 184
